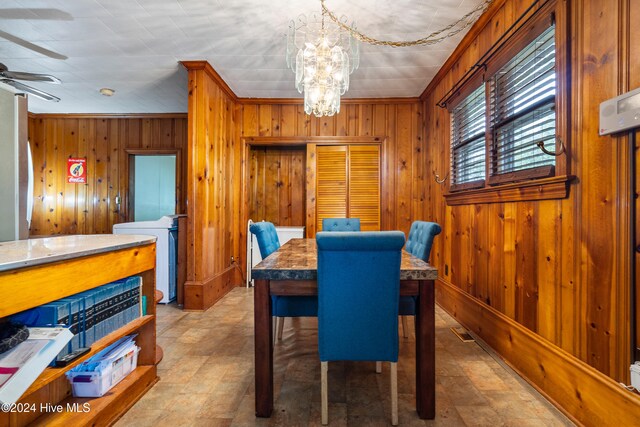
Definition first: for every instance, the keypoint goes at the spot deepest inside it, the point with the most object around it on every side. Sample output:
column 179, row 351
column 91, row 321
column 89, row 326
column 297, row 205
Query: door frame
column 309, row 142
column 130, row 175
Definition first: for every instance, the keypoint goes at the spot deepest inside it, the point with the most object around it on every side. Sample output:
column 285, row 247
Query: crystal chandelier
column 322, row 54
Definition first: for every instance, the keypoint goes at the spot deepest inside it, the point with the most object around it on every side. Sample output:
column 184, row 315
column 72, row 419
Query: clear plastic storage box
column 97, row 375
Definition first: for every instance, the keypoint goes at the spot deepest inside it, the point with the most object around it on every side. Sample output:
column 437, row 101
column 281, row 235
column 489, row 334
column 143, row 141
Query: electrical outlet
column 232, row 259
column 446, row 269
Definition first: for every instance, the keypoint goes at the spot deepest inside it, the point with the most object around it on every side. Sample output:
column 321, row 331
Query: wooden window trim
column 466, row 186
column 541, row 183
column 556, row 187
column 522, row 175
column 469, row 86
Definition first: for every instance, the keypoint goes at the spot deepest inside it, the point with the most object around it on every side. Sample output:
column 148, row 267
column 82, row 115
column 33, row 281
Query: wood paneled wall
column 277, row 190
column 397, row 121
column 213, row 188
column 62, row 208
column 558, row 270
column 634, row 82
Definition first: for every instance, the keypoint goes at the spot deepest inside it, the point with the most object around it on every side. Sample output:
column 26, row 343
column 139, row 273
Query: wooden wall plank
column 63, row 208
column 598, row 190
column 548, row 269
column 495, row 246
column 403, row 170
column 634, row 81
column 213, row 159
column 272, row 180
column 479, row 272
column 509, row 266
column 113, row 178
column 403, row 193
column 101, row 217
column 560, row 268
column 39, row 165
column 288, row 120
column 298, row 188
column 277, row 185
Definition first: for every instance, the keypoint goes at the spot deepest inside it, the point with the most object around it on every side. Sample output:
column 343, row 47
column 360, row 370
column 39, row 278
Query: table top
column 31, row 252
column 298, row 259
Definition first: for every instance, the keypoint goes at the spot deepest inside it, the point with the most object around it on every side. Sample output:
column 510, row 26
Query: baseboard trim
column 201, row 295
column 585, row 394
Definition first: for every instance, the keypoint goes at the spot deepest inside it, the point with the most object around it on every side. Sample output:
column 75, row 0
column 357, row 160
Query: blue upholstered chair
column 419, row 244
column 358, row 291
column 281, row 307
column 341, row 224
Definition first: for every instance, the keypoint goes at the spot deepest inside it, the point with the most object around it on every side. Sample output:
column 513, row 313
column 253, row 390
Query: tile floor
column 206, row 378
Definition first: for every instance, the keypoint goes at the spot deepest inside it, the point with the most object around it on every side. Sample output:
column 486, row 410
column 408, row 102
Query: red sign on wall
column 77, row 171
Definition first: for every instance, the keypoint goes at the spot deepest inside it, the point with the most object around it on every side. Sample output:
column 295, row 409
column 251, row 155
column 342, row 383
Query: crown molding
column 107, row 115
column 344, row 101
column 211, row 72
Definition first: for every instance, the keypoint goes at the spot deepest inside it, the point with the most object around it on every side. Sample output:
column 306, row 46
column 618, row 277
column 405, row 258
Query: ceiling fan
column 33, row 14
column 11, row 77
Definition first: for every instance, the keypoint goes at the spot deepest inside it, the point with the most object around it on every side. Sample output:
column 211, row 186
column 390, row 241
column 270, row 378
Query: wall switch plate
column 635, row 375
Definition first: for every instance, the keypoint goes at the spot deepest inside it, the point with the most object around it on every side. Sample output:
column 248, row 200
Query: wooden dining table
column 292, row 270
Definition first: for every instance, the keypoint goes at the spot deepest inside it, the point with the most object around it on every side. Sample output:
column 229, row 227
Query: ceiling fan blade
column 28, row 45
column 35, row 13
column 32, row 77
column 33, row 91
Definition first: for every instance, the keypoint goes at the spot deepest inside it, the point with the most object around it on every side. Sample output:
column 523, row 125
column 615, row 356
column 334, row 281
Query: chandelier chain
column 433, row 38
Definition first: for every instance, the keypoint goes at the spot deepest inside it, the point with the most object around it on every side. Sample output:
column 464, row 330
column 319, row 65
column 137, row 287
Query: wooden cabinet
column 76, row 264
column 348, row 184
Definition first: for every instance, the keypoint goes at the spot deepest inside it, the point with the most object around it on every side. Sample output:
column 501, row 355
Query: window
column 509, row 115
column 522, row 100
column 468, row 141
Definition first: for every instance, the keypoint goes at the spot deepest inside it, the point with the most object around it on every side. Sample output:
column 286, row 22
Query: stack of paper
column 95, row 376
column 20, row 366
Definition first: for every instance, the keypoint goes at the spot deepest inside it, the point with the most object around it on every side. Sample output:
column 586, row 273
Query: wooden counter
column 38, row 271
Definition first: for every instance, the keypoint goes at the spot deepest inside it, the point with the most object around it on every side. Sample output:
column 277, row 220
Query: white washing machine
column 166, row 231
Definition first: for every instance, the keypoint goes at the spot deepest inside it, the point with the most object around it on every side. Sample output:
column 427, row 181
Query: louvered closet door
column 348, row 184
column 331, row 183
column 364, row 185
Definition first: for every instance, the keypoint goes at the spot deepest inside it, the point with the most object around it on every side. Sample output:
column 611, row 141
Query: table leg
column 426, row 351
column 263, row 348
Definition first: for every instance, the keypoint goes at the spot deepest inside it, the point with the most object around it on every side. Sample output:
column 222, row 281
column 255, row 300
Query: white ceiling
column 134, row 47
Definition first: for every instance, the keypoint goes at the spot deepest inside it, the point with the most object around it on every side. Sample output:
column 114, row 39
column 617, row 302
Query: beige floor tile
column 206, row 378
column 480, row 416
column 482, row 376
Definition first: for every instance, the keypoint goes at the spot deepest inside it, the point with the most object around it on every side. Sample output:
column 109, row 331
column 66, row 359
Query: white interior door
column 154, row 187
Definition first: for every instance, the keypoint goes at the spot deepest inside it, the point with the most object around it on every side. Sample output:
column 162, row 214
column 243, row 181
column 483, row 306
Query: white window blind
column 523, row 94
column 468, row 124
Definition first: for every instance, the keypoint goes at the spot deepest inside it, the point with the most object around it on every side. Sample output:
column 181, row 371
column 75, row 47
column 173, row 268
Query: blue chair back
column 358, row 291
column 267, row 237
column 421, row 239
column 291, row 306
column 341, row 224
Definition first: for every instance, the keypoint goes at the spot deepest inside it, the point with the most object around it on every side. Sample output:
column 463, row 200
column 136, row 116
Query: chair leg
column 405, row 327
column 280, row 322
column 274, row 321
column 394, row 393
column 378, row 367
column 324, row 392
